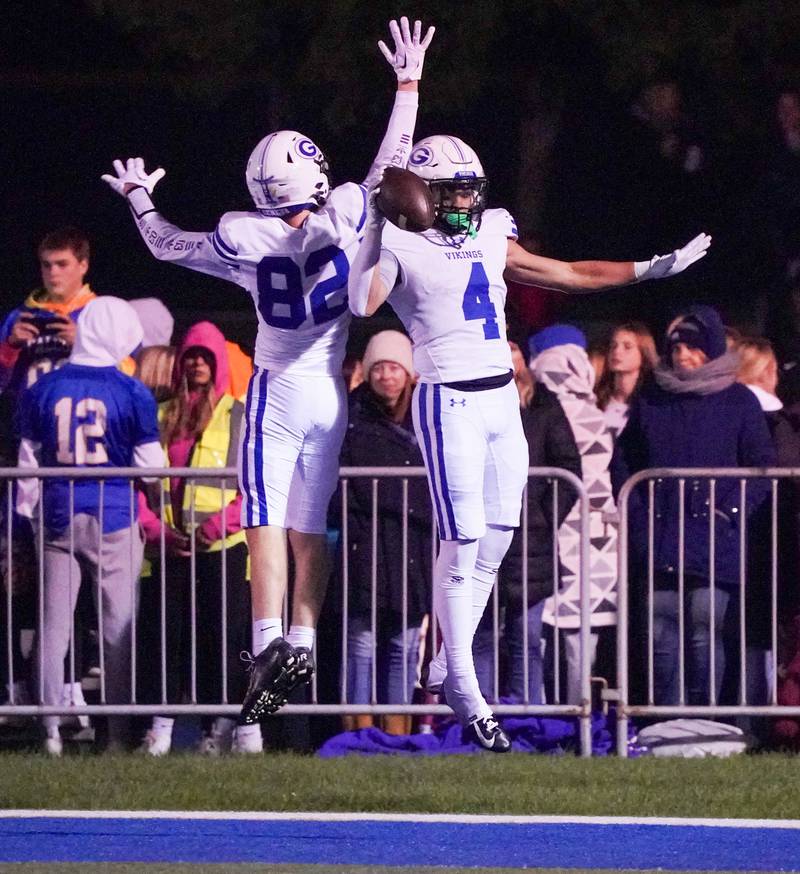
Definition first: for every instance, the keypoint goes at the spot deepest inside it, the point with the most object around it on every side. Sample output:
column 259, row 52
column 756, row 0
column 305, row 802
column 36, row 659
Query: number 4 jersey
column 450, row 294
column 296, row 276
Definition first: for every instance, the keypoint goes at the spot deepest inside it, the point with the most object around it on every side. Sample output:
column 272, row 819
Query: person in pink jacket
column 200, row 427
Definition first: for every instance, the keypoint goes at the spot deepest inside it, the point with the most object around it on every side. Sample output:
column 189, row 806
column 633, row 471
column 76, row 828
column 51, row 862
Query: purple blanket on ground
column 529, row 735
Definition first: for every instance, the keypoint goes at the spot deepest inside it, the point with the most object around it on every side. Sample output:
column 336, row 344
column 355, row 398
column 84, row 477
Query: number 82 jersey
column 450, row 295
column 298, row 280
column 297, row 277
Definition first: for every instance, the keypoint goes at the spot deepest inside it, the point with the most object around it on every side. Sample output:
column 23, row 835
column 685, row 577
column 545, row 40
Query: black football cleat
column 274, row 674
column 487, row 733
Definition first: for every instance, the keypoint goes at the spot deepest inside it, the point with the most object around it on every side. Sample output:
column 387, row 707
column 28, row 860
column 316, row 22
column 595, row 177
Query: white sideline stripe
column 466, row 818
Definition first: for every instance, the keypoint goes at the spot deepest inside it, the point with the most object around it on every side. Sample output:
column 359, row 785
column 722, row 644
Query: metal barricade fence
column 694, row 493
column 226, row 478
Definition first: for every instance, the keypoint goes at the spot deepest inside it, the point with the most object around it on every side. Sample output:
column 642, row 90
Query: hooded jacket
column 698, row 418
column 216, row 447
column 568, row 373
column 88, row 413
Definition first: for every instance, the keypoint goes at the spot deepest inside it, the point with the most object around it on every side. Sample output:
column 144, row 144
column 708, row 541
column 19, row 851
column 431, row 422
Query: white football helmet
column 450, row 166
column 287, row 172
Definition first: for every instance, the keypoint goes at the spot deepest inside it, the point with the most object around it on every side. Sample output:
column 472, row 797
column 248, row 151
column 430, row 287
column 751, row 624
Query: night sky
column 78, row 92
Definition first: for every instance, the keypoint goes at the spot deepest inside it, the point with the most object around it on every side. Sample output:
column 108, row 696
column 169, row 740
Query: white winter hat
column 388, row 346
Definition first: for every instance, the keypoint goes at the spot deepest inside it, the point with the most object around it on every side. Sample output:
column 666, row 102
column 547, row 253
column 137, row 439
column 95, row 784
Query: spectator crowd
column 137, row 590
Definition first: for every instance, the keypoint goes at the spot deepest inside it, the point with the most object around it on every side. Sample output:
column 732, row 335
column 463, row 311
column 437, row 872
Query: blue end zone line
column 400, row 839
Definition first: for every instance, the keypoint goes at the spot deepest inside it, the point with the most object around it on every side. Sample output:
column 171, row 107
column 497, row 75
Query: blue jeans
column 697, row 643
column 511, row 629
column 391, row 653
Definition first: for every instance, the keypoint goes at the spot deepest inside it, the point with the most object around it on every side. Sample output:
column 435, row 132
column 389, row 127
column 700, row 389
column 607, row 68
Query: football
column 405, row 199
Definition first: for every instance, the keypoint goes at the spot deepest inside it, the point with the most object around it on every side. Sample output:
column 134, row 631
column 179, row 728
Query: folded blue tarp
column 528, row 735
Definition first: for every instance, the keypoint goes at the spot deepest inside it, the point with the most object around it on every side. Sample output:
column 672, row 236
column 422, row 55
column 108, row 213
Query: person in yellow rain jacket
column 200, row 428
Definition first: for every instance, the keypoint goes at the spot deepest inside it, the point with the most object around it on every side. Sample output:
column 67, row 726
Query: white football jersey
column 450, row 294
column 297, row 277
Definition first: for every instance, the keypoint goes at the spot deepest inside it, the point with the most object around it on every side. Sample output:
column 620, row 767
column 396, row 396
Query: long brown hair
column 647, row 349
column 184, row 415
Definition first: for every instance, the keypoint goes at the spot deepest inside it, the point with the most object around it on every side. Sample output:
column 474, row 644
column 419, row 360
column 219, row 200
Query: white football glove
column 375, row 218
column 132, row 172
column 662, row 266
column 409, row 51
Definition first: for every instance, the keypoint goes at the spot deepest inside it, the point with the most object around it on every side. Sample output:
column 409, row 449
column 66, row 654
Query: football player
column 447, row 285
column 293, row 255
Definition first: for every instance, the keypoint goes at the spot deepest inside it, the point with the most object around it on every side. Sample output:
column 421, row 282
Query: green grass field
column 757, row 786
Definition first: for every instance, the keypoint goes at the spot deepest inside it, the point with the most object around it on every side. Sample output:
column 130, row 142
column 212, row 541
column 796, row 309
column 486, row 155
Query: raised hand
column 662, row 266
column 132, row 175
column 409, row 49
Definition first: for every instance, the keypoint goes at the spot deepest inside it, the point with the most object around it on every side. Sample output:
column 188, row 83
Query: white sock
column 492, row 548
column 301, row 635
column 452, row 598
column 162, row 725
column 264, row 632
column 244, row 731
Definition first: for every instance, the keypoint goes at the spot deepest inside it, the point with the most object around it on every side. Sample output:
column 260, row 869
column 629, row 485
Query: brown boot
column 396, row 723
column 352, row 722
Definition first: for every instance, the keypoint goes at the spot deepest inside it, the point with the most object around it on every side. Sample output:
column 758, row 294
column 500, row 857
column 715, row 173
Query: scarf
column 712, row 377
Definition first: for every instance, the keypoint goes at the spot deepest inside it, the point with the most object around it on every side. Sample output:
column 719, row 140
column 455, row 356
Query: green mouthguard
column 458, row 222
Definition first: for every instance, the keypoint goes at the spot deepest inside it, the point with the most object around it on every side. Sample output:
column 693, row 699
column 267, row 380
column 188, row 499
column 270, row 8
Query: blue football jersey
column 87, row 416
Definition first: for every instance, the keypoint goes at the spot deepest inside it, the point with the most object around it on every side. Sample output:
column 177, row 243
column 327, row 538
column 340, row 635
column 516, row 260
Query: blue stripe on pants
column 437, row 424
column 426, row 439
column 258, row 452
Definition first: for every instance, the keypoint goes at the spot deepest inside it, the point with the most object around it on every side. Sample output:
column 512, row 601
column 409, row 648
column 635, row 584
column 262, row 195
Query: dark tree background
column 542, row 90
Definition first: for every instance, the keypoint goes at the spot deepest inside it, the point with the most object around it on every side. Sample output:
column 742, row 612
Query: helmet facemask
column 462, row 218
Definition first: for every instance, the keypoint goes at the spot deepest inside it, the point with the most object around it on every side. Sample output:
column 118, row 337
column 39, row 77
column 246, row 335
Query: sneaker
column 247, row 742
column 274, row 674
column 72, row 696
column 486, row 733
column 53, row 745
column 156, row 743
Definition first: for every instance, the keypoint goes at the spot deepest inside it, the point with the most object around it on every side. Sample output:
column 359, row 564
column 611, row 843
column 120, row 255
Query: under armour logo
column 453, row 402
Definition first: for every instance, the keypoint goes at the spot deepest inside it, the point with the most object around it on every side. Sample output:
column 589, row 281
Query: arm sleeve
column 147, row 449
column 389, row 267
column 149, row 455
column 359, row 279
column 399, row 137
column 28, row 489
column 205, row 252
